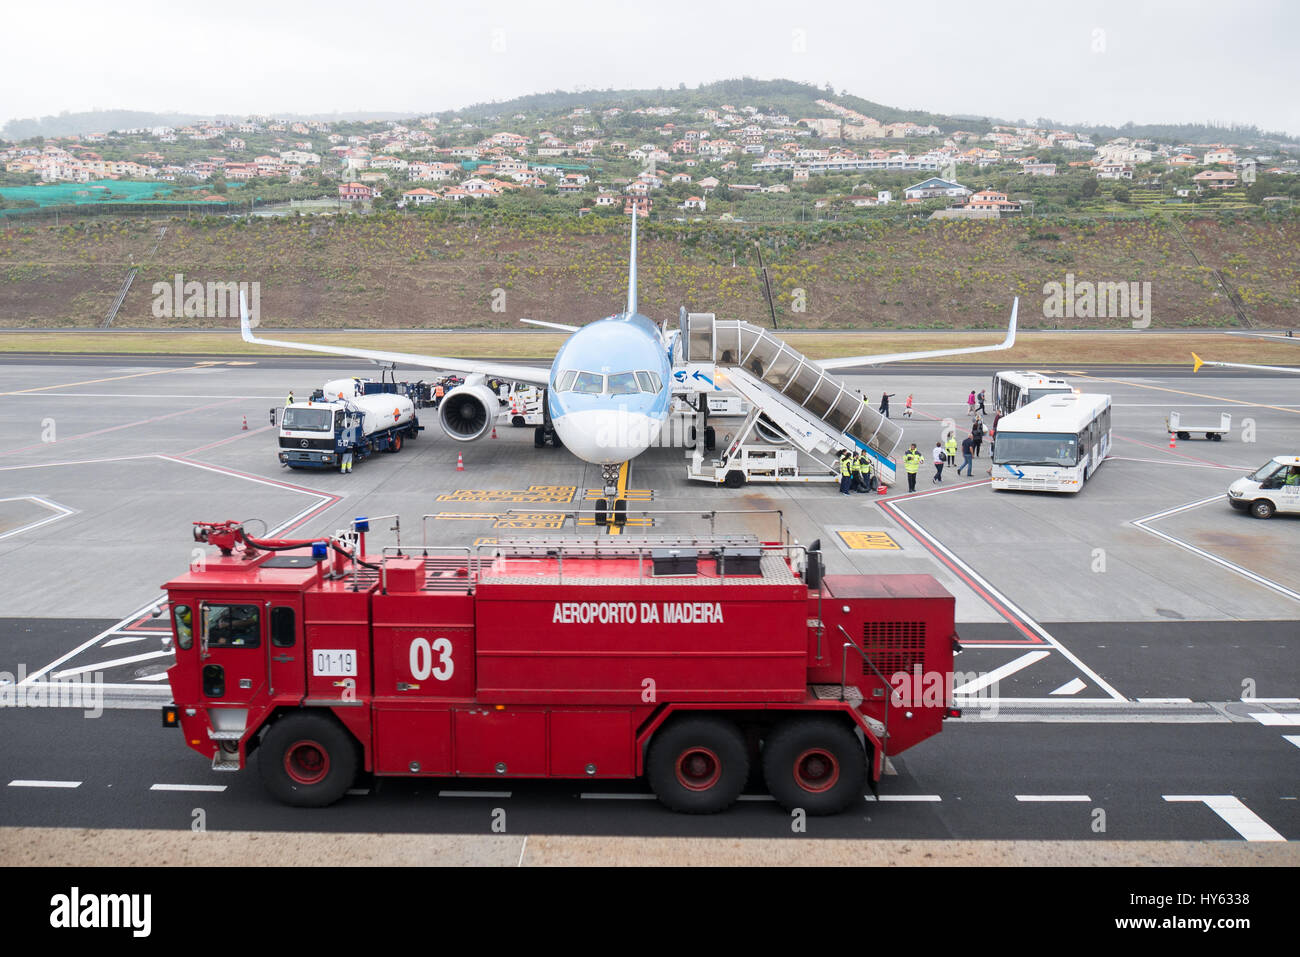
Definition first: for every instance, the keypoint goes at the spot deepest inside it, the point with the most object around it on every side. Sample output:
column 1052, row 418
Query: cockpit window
column 565, row 382
column 646, row 384
column 589, row 383
column 658, row 384
column 622, row 383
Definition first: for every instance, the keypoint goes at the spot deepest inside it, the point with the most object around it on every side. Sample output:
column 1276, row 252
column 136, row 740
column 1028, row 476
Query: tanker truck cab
column 1274, row 487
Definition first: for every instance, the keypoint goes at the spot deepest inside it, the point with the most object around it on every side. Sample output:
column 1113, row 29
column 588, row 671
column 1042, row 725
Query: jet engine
column 468, row 412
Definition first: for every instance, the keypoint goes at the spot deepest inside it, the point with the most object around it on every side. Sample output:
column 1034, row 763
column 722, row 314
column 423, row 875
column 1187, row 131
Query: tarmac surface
column 1141, row 635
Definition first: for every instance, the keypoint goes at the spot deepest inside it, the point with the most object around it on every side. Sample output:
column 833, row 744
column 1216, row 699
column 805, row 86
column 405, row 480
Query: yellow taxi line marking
column 1198, row 395
column 623, row 471
column 68, row 385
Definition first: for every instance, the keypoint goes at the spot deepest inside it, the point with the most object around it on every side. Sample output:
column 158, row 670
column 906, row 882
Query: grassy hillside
column 389, row 270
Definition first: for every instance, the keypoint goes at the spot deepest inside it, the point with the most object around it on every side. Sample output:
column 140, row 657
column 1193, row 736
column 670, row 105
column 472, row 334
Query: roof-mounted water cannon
column 224, row 535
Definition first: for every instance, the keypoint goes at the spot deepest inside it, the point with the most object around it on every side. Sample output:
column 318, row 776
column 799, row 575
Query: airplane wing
column 1197, row 362
column 551, row 325
column 534, row 375
column 848, row 361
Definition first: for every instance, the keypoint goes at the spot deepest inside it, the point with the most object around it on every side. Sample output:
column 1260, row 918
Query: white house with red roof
column 419, row 196
column 356, row 193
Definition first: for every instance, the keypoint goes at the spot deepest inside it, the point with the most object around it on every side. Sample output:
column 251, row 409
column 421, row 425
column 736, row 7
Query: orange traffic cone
column 1171, row 441
column 494, row 431
column 460, row 462
column 245, row 428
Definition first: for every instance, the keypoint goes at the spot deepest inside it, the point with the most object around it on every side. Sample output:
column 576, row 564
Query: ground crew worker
column 951, row 448
column 289, row 401
column 438, row 393
column 912, row 463
column 884, row 402
column 859, row 484
column 846, row 474
column 939, row 460
column 1293, row 477
column 868, row 473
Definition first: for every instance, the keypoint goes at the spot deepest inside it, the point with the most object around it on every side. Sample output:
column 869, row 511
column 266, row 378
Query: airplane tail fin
column 631, row 269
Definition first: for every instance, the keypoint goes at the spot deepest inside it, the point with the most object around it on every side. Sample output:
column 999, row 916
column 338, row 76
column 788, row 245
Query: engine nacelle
column 468, row 412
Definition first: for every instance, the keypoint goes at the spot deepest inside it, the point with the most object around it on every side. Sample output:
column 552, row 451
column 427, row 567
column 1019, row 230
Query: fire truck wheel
column 814, row 764
column 307, row 760
column 698, row 765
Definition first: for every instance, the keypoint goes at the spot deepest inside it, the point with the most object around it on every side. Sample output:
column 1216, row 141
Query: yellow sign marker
column 631, row 494
column 868, row 540
column 533, row 495
column 532, row 520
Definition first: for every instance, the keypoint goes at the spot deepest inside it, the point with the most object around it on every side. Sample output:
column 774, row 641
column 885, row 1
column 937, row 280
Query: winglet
column 1197, row 362
column 245, row 327
column 631, row 269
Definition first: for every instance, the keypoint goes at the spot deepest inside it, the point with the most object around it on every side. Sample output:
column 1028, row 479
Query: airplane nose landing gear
column 617, row 516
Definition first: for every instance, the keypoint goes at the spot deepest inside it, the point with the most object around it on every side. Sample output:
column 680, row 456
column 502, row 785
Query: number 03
column 422, row 655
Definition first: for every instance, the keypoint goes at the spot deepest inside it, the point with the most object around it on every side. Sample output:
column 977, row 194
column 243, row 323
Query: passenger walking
column 884, row 402
column 846, row 475
column 951, row 448
column 977, row 434
column 967, row 446
column 939, row 460
column 980, row 401
column 907, row 407
column 911, row 464
column 970, row 404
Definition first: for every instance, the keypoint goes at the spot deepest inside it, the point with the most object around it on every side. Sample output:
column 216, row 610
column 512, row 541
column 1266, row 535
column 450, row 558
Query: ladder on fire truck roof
column 818, row 413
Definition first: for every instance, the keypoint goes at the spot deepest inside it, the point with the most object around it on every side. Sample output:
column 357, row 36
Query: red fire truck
column 686, row 661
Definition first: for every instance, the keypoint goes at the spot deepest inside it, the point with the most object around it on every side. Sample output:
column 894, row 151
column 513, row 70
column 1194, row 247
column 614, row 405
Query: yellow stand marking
column 869, row 540
column 533, row 495
column 622, row 493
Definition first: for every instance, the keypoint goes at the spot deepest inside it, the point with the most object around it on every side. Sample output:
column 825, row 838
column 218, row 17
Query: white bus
column 1011, row 390
column 1053, row 444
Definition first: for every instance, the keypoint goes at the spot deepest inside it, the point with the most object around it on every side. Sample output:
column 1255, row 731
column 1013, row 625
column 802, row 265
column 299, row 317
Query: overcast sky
column 1103, row 61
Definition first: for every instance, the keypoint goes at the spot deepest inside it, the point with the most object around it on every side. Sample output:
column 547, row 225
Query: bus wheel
column 307, row 760
column 815, row 764
column 1262, row 508
column 697, row 765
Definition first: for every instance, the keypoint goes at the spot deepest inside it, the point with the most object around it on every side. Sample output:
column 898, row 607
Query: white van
column 1274, row 488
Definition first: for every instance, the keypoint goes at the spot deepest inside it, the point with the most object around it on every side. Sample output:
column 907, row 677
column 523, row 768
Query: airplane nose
column 606, row 436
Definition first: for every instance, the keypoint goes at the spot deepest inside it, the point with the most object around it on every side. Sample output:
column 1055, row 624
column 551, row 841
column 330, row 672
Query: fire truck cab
column 684, row 661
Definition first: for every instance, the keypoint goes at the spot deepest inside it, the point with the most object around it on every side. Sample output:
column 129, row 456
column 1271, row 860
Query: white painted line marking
column 87, row 644
column 1164, row 700
column 1275, row 719
column 44, row 784
column 1235, row 814
column 997, row 674
column 1270, row 700
column 895, row 509
column 1055, row 798
column 1073, row 686
column 1209, row 556
column 59, row 512
column 160, row 676
column 473, row 794
column 614, row 796
column 101, row 665
column 125, row 640
column 522, row 847
column 1293, row 738
column 188, row 787
column 901, row 798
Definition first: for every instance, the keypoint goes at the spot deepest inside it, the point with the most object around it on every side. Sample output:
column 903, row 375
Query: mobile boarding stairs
column 790, row 399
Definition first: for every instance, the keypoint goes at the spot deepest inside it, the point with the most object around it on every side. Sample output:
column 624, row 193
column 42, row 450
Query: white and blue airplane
column 608, row 391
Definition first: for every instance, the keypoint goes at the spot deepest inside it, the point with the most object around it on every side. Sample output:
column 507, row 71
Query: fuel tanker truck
column 345, row 426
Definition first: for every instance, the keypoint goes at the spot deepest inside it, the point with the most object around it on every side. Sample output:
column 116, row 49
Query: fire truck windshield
column 307, row 420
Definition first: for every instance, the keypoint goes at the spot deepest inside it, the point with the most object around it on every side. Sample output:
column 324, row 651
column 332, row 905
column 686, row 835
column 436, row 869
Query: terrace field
column 428, row 271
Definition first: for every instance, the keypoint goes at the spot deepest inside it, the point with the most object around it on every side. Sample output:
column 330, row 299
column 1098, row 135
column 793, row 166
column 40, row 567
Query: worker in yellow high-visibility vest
column 846, row 473
column 950, row 448
column 912, row 460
